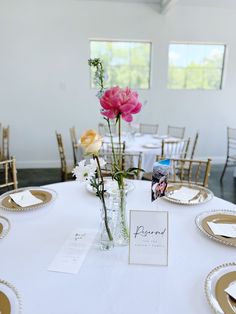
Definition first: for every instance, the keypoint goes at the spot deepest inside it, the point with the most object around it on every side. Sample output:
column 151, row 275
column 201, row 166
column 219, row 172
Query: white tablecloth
column 106, row 283
column 136, row 144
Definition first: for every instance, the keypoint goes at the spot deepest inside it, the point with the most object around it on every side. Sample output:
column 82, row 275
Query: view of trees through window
column 195, row 66
column 125, row 63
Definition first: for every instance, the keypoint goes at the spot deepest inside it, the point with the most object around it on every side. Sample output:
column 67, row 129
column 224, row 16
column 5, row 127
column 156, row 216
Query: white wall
column 44, row 76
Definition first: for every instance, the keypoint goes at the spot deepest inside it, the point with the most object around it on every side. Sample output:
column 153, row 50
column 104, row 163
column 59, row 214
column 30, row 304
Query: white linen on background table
column 137, row 144
column 106, row 284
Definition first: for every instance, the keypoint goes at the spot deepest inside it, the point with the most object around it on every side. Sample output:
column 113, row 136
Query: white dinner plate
column 111, row 185
column 151, row 145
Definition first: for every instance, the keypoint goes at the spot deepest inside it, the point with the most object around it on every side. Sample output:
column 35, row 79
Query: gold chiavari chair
column 176, row 131
column 170, row 149
column 75, row 144
column 8, row 174
column 174, row 149
column 5, row 143
column 65, row 172
column 194, row 145
column 146, row 128
column 129, row 160
column 107, row 147
column 198, row 171
column 231, row 150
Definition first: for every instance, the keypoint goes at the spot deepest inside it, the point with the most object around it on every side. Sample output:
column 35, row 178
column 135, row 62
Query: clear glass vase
column 106, row 227
column 117, row 205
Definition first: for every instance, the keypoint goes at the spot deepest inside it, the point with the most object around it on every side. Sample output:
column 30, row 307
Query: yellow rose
column 91, row 142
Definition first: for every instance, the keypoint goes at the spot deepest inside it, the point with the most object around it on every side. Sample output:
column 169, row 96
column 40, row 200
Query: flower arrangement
column 116, row 104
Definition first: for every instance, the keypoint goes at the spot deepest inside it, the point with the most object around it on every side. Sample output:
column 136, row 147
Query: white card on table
column 70, row 257
column 227, row 230
column 148, row 237
column 25, row 198
column 231, row 290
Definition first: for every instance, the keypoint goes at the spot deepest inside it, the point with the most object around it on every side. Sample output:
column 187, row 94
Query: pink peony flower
column 117, row 101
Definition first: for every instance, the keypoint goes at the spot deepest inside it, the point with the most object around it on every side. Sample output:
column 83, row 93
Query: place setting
column 187, row 194
column 220, row 289
column 218, row 225
column 26, row 198
column 10, row 301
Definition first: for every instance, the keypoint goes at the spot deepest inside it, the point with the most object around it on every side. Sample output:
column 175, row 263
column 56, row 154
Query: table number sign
column 148, row 237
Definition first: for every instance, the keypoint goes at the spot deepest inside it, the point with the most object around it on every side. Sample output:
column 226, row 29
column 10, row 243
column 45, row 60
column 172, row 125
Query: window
column 125, row 63
column 196, row 66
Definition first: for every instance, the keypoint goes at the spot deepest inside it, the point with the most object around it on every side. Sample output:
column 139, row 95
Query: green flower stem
column 112, row 142
column 121, row 179
column 101, row 196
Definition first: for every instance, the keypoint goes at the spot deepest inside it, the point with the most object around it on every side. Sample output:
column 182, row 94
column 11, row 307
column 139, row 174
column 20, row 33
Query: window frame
column 125, row 41
column 223, row 69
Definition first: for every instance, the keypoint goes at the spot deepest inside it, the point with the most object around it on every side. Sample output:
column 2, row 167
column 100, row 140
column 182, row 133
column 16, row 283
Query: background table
column 106, row 283
column 137, row 143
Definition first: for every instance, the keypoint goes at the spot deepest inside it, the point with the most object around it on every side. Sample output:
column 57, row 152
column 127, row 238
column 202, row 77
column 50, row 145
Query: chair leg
column 223, row 172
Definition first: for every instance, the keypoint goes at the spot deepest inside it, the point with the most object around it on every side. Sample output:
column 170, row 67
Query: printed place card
column 25, row 198
column 70, row 257
column 231, row 290
column 227, row 230
column 148, row 237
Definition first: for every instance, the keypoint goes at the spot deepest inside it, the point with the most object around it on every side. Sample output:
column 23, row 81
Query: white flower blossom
column 93, row 162
column 83, row 172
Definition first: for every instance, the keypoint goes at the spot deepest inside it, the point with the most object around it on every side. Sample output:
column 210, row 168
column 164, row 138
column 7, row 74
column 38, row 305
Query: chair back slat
column 75, row 145
column 194, row 145
column 5, row 143
column 9, row 174
column 62, row 156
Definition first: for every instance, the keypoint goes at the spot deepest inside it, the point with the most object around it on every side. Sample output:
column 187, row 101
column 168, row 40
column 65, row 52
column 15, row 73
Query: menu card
column 148, row 237
column 227, row 230
column 70, row 257
column 25, row 198
column 231, row 290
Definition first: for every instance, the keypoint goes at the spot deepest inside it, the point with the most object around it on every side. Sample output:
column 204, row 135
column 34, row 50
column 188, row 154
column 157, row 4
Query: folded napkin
column 231, row 290
column 184, row 194
column 227, row 230
column 25, row 198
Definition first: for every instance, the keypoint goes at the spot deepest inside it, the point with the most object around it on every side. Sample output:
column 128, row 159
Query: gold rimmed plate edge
column 202, row 215
column 208, row 282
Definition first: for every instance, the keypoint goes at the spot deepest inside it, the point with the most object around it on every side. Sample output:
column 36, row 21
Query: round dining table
column 106, row 283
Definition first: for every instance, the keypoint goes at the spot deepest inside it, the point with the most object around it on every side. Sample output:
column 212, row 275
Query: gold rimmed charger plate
column 203, row 194
column 4, row 227
column 226, row 302
column 218, row 216
column 5, row 305
column 215, row 284
column 10, row 302
column 46, row 195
